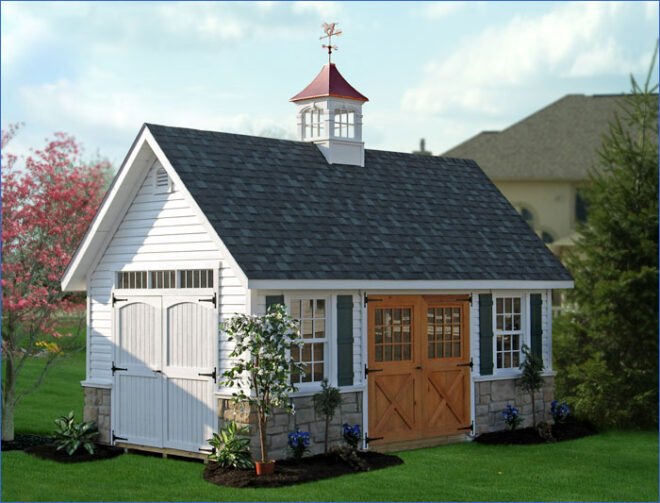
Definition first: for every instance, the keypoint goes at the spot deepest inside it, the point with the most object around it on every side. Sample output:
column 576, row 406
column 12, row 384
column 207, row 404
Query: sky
column 443, row 71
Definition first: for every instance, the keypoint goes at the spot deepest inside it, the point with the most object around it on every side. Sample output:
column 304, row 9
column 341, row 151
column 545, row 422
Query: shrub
column 229, row 449
column 71, row 435
column 326, row 402
column 298, row 443
column 559, row 411
column 531, row 379
column 511, row 417
column 352, row 435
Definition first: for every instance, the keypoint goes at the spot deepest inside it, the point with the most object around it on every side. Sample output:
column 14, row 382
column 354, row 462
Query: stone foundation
column 97, row 409
column 492, row 397
column 280, row 424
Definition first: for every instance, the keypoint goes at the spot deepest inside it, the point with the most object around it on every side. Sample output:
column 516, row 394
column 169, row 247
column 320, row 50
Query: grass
column 613, row 466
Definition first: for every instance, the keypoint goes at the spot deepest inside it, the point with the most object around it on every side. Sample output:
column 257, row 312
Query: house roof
column 283, row 212
column 559, row 142
column 329, row 82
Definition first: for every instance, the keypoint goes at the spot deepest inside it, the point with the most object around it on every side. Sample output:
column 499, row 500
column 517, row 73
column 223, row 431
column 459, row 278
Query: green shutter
column 271, row 300
column 344, row 340
column 536, row 327
column 485, row 334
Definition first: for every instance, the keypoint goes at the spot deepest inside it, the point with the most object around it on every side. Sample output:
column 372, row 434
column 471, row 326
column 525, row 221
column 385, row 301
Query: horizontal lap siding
column 160, row 231
column 233, row 299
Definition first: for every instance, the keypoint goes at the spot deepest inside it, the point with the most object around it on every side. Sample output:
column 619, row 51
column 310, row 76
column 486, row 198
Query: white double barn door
column 162, row 346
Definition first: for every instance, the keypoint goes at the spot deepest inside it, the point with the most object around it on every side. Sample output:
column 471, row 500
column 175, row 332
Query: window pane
column 507, row 305
column 318, row 352
column 406, row 351
column 507, row 360
column 397, row 316
column 307, row 329
column 499, row 324
column 516, row 358
column 397, row 352
column 388, row 317
column 379, row 316
column 406, row 333
column 405, row 316
column 397, row 334
column 430, row 332
column 308, row 373
column 500, row 305
column 430, row 316
column 457, row 349
column 516, row 322
column 319, row 329
column 308, row 308
column 318, row 371
column 516, row 304
column 499, row 360
column 295, row 353
column 307, row 353
column 499, row 343
column 295, row 309
column 431, row 350
column 379, row 353
column 387, row 356
column 388, row 335
column 320, row 309
column 378, row 335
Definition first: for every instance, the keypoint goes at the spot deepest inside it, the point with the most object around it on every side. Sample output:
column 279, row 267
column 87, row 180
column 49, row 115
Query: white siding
column 159, row 230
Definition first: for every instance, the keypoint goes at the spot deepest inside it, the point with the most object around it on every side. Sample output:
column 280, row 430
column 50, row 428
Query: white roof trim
column 365, row 284
column 114, row 205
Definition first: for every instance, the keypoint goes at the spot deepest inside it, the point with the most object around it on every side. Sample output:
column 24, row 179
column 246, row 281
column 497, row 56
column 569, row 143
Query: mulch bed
column 528, row 436
column 22, row 442
column 289, row 471
column 48, row 451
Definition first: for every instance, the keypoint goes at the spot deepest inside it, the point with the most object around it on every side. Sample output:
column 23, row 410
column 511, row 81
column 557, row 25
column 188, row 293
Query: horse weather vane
column 329, row 29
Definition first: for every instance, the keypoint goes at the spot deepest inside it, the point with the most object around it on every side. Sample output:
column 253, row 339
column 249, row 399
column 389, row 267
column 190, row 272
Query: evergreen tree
column 606, row 347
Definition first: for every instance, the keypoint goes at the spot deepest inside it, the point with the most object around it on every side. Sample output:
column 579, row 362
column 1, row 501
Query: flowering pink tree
column 46, row 209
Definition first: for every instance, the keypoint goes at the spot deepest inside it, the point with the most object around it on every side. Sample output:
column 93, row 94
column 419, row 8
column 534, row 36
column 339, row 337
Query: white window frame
column 524, row 328
column 303, row 387
column 344, row 123
column 177, row 289
column 313, row 123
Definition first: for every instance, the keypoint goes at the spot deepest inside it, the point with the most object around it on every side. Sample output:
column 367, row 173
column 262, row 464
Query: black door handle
column 418, row 367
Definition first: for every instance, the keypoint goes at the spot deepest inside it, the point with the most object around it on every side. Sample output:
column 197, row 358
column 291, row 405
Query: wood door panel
column 445, row 407
column 394, row 408
column 427, row 394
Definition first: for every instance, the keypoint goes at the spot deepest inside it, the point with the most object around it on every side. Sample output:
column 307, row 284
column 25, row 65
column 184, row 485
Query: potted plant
column 262, row 351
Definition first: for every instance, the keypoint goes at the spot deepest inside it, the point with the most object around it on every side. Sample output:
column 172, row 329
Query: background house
column 540, row 162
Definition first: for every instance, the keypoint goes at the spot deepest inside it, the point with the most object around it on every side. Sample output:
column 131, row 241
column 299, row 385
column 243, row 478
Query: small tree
column 46, row 210
column 530, row 379
column 326, row 402
column 606, row 346
column 262, row 348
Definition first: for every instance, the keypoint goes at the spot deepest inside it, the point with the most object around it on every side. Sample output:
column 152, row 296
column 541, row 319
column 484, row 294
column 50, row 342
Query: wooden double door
column 418, row 367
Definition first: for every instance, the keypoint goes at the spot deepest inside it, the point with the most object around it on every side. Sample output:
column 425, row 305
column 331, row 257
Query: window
column 132, row 279
column 444, row 332
column 196, row 278
column 312, row 316
column 580, row 208
column 163, row 279
column 313, row 123
column 508, row 332
column 392, row 334
column 547, row 237
column 344, row 124
column 189, row 278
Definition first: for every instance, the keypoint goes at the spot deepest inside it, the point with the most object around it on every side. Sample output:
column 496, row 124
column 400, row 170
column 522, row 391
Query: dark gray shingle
column 285, row 213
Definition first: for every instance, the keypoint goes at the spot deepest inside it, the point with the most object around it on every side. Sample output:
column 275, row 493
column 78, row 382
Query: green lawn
column 614, row 466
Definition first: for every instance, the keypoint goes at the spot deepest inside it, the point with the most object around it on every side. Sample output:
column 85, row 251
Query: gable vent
column 162, row 181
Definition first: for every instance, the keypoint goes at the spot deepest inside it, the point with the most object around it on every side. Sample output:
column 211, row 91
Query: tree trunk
column 8, row 402
column 325, row 443
column 533, row 410
column 262, row 436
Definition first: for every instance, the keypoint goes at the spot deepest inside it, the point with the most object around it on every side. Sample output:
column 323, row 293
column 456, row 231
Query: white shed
column 415, row 282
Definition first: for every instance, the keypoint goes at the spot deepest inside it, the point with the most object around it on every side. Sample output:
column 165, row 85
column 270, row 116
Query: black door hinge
column 368, row 371
column 211, row 374
column 467, row 299
column 115, row 437
column 368, row 439
column 213, row 299
column 471, row 364
column 115, row 299
column 115, row 369
column 471, row 428
column 367, row 299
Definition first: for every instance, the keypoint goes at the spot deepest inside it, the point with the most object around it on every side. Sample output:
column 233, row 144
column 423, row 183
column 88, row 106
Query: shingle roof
column 559, row 142
column 329, row 82
column 285, row 213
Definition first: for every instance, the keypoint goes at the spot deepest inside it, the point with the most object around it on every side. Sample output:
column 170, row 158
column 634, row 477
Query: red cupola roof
column 329, row 82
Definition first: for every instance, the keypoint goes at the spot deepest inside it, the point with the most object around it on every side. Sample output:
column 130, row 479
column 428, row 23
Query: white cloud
column 21, row 32
column 572, row 40
column 322, row 9
column 440, row 10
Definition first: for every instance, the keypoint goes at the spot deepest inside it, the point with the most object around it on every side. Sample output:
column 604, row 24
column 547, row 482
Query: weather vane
column 329, row 29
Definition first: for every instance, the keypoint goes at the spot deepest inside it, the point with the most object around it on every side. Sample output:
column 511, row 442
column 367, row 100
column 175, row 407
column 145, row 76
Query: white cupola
column 330, row 115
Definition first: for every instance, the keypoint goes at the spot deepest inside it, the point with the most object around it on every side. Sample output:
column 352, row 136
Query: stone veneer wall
column 492, row 397
column 281, row 423
column 97, row 409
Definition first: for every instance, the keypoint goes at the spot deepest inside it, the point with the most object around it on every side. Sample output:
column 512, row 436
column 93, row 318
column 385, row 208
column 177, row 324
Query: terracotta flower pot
column 265, row 468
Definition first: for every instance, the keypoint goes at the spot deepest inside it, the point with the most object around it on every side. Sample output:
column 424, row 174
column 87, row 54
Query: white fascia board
column 74, row 278
column 357, row 284
column 193, row 204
